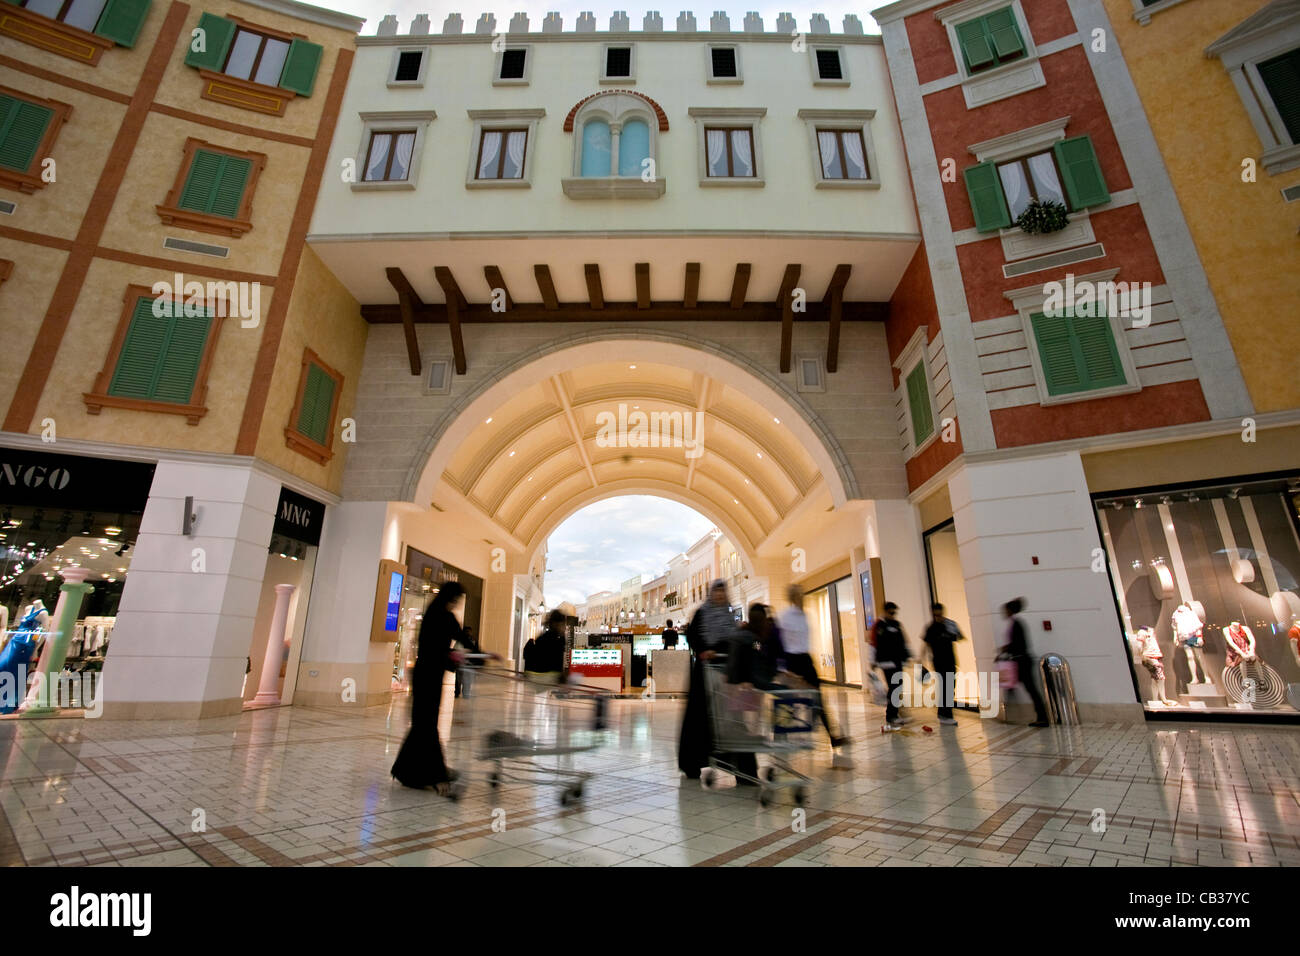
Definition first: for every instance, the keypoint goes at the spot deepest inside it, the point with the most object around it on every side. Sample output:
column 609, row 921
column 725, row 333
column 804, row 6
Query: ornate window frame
column 857, row 121
column 917, row 352
column 614, row 107
column 295, row 439
column 30, row 179
column 391, row 121
column 171, row 213
column 502, row 119
column 1269, row 32
column 1000, row 82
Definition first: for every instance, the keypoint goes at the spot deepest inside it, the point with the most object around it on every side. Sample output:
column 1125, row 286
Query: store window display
column 1206, row 586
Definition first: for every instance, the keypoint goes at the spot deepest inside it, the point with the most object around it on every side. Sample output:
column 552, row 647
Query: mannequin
column 1294, row 635
column 18, row 655
column 1241, row 644
column 1188, row 635
column 1153, row 660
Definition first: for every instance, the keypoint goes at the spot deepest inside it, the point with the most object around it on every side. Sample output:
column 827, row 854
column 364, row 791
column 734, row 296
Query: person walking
column 420, row 763
column 796, row 643
column 670, row 636
column 544, row 654
column 1016, row 649
column 709, row 634
column 940, row 637
column 890, row 644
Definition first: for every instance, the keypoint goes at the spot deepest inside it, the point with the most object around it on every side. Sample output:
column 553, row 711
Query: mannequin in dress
column 1188, row 635
column 1241, row 643
column 1153, row 660
column 18, row 655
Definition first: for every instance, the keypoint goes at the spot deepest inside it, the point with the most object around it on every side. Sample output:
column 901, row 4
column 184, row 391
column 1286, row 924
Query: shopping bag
column 1008, row 674
column 879, row 692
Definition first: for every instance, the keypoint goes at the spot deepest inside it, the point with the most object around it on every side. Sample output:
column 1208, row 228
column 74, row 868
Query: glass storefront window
column 821, row 638
column 848, row 621
column 833, row 634
column 948, row 587
column 1206, row 586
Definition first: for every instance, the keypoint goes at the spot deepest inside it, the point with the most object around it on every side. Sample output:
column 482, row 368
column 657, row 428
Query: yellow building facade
column 1232, row 166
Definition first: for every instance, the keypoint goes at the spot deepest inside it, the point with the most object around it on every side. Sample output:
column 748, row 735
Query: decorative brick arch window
column 616, row 147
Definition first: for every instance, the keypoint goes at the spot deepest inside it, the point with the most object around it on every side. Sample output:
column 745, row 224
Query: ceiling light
column 632, row 366
column 113, row 530
column 735, row 501
column 543, row 497
column 512, row 455
column 777, row 420
column 488, row 421
column 1138, row 503
column 759, row 454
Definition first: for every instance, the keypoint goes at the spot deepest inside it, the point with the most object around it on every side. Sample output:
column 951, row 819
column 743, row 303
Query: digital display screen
column 394, row 600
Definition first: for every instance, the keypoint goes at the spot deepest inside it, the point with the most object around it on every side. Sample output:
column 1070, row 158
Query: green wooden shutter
column 137, row 365
column 918, row 401
column 1281, row 76
column 22, row 127
column 317, row 401
column 300, row 66
column 122, row 19
column 1084, row 184
column 180, row 361
column 976, row 45
column 1056, row 354
column 1098, row 353
column 986, row 199
column 1002, row 27
column 202, row 181
column 229, row 191
column 218, row 33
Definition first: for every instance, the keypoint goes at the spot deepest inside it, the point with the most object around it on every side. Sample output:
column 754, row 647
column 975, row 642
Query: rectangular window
column 22, row 130
column 1029, row 178
column 83, row 14
column 828, row 65
column 317, row 403
column 1077, row 353
column 389, row 156
column 843, row 154
column 512, row 64
column 501, row 153
column 618, row 61
column 408, row 66
column 990, row 40
column 215, row 184
column 1281, row 76
column 730, row 152
column 918, row 404
column 256, row 57
column 161, row 355
column 724, row 62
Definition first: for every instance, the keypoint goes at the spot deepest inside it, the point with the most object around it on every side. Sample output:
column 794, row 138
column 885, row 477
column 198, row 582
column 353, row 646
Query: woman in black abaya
column 420, row 763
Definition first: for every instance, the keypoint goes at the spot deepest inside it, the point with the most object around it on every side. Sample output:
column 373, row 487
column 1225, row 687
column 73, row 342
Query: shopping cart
column 515, row 723
column 775, row 722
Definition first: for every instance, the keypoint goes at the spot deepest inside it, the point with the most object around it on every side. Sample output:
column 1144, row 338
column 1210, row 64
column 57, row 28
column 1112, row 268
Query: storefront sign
column 299, row 517
column 73, row 482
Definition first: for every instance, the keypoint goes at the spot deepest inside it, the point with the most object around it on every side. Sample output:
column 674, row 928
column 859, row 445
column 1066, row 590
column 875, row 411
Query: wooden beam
column 495, row 281
column 595, row 293
column 546, row 287
column 692, row 292
column 659, row 311
column 643, row 285
column 835, row 299
column 785, row 298
column 740, row 285
column 455, row 302
column 407, row 303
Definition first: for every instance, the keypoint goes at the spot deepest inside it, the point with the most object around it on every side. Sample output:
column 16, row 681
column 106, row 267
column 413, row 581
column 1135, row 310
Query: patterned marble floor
column 295, row 786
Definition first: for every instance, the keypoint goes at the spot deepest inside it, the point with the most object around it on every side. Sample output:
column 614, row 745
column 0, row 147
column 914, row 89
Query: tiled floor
column 293, row 786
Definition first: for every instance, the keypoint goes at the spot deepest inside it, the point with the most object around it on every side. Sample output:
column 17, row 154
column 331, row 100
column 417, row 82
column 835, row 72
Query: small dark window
column 1281, row 76
column 724, row 61
column 408, row 65
column 618, row 61
column 512, row 64
column 828, row 65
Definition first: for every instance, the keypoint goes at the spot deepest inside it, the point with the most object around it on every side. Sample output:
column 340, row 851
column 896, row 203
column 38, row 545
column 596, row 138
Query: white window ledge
column 613, row 187
column 741, row 181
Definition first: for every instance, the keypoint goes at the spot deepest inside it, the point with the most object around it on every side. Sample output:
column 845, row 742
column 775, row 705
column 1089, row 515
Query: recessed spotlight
column 543, row 497
column 632, row 366
column 489, row 420
column 777, row 420
column 512, row 455
column 759, row 454
column 735, row 501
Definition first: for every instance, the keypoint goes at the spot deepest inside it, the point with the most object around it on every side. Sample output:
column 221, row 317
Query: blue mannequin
column 18, row 654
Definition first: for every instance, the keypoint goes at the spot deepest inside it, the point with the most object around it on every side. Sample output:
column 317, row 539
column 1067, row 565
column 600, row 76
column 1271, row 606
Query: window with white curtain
column 389, row 159
column 1029, row 178
column 501, row 153
column 730, row 151
column 843, row 154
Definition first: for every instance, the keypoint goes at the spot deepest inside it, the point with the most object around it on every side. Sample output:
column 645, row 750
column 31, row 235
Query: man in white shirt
column 796, row 642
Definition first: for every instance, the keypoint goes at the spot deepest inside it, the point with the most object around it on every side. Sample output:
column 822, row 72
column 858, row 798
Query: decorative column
column 268, row 688
column 42, row 698
column 615, row 131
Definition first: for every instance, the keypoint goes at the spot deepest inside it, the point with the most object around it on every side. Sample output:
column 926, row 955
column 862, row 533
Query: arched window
column 614, row 134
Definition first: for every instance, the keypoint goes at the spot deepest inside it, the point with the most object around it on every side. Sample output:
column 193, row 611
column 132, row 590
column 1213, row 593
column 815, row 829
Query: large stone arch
column 637, row 345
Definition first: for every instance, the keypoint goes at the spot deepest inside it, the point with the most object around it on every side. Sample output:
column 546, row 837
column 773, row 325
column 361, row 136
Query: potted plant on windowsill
column 1042, row 217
